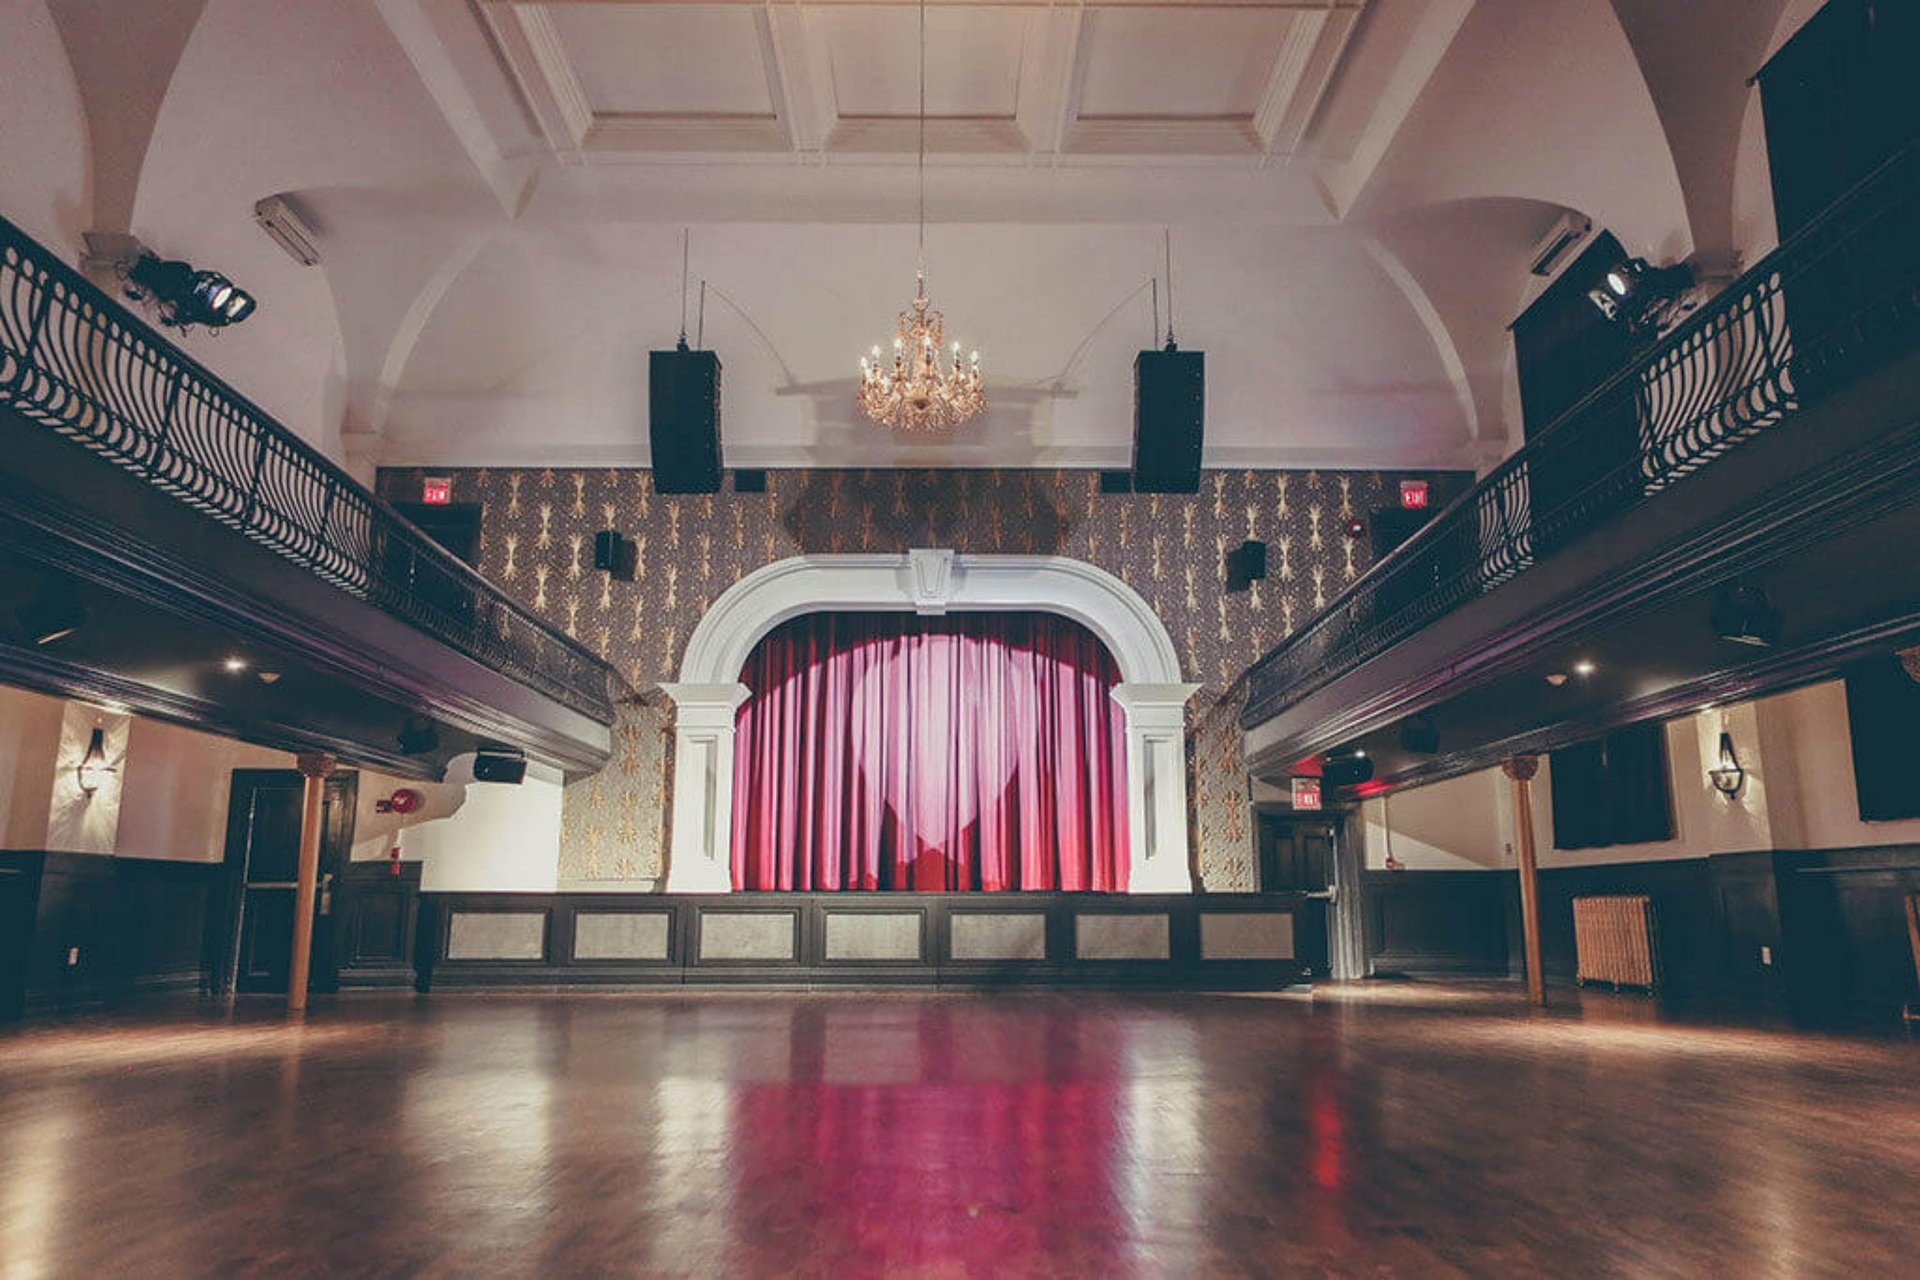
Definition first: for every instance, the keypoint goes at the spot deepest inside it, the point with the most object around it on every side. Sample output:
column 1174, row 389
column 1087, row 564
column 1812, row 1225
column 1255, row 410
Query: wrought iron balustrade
column 1838, row 298
column 77, row 362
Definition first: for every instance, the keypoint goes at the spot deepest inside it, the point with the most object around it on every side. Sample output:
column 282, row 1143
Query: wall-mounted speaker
column 1169, row 416
column 1246, row 565
column 1346, row 769
column 683, row 408
column 500, row 764
column 606, row 550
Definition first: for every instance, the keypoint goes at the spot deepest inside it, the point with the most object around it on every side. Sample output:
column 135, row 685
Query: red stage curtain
column 889, row 751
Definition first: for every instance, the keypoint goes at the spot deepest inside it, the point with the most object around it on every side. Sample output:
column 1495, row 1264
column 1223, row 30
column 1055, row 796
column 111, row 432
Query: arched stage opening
column 709, row 693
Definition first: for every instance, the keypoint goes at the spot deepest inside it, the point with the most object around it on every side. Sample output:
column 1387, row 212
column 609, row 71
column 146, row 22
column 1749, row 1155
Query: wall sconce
column 1728, row 777
column 94, row 769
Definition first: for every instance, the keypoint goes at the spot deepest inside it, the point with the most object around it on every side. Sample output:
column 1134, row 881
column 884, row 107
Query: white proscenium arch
column 709, row 692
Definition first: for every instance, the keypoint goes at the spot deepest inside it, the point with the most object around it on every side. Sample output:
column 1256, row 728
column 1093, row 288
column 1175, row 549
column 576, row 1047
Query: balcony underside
column 1820, row 512
column 170, row 593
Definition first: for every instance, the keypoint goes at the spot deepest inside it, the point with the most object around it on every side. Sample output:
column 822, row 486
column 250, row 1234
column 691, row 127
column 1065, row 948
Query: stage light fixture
column 184, row 296
column 1744, row 615
column 1641, row 296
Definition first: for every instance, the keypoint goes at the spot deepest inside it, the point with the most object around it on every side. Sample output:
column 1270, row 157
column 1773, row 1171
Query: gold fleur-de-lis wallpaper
column 536, row 524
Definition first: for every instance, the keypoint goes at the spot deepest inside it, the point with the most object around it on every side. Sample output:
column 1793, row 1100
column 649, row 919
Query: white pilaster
column 1156, row 786
column 698, row 861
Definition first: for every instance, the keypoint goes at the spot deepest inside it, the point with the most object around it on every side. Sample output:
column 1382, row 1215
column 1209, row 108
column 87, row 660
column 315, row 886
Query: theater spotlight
column 184, row 297
column 1744, row 615
column 1639, row 295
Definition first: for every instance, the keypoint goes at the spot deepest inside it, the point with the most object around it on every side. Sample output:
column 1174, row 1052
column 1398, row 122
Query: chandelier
column 925, row 388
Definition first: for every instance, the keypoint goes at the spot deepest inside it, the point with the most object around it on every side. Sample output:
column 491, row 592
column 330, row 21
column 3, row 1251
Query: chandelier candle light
column 926, row 387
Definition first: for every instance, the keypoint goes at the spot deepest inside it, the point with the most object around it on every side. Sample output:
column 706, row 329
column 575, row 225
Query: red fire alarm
column 1413, row 495
column 1306, row 793
column 436, row 491
column 405, row 800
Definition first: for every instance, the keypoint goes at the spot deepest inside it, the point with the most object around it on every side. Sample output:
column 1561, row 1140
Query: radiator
column 1615, row 941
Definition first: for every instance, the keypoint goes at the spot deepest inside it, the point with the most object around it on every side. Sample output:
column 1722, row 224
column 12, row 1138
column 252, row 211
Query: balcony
column 1769, row 439
column 173, row 510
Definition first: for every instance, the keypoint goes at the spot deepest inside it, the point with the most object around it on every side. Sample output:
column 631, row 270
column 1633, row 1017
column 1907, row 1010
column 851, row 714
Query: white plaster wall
column 175, row 787
column 44, row 185
column 502, row 839
column 1818, row 807
column 29, row 750
column 375, row 834
column 1461, row 824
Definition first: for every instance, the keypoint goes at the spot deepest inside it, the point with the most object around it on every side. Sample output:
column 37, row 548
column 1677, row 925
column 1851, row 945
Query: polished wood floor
column 1391, row 1131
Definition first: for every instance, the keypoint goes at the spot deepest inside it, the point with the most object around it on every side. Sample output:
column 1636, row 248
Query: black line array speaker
column 1169, row 415
column 683, row 418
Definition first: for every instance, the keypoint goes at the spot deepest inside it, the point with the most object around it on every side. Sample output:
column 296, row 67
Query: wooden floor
column 1404, row 1131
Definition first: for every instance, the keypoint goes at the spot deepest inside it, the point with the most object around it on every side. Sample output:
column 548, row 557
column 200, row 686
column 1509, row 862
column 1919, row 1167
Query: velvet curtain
column 976, row 751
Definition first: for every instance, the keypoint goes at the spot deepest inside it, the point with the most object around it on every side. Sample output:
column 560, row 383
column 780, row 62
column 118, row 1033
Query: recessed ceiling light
column 1584, row 668
column 235, row 664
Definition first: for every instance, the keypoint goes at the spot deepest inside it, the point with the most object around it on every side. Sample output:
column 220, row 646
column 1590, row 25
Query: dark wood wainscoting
column 1844, row 931
column 1226, row 941
column 89, row 930
column 1819, row 932
column 1441, row 923
column 377, row 911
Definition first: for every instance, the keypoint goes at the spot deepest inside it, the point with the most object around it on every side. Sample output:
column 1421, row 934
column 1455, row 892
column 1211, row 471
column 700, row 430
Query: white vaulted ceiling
column 499, row 190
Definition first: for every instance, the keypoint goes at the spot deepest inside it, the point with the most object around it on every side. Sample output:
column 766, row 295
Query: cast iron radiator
column 1615, row 941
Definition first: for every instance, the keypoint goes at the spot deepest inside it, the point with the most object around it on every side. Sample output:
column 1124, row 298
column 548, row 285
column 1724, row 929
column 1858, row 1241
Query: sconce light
column 94, row 769
column 1728, row 777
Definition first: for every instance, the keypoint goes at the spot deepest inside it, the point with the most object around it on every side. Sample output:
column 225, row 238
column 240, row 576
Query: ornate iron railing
column 74, row 360
column 1840, row 296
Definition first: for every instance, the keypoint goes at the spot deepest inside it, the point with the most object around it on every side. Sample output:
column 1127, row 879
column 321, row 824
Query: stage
column 1186, row 941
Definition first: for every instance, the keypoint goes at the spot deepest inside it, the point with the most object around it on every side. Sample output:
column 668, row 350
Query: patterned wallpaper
column 537, row 541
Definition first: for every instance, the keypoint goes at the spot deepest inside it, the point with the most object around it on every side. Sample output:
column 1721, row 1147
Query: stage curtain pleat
column 969, row 752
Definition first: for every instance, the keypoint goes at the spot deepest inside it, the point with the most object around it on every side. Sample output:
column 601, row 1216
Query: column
column 699, row 857
column 313, row 802
column 1346, row 914
column 1156, row 786
column 1522, row 770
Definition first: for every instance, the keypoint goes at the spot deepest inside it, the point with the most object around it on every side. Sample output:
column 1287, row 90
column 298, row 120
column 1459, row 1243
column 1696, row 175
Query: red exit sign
column 1413, row 495
column 1306, row 793
column 436, row 491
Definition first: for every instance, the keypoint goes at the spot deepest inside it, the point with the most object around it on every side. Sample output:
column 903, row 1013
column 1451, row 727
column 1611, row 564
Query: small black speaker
column 1253, row 560
column 1169, row 416
column 606, row 550
column 1346, row 769
column 500, row 764
column 683, row 419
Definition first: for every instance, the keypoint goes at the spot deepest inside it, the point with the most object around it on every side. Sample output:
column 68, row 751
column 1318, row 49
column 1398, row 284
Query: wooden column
column 314, row 768
column 1522, row 770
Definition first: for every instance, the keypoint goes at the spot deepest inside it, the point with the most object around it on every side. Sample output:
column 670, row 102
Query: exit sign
column 436, row 491
column 1306, row 793
column 1413, row 495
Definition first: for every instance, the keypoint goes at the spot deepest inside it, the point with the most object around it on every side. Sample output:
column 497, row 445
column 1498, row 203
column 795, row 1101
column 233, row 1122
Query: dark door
column 1296, row 854
column 255, row 933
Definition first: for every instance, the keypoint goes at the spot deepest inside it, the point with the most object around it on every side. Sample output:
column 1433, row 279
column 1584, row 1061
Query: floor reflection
column 1413, row 1133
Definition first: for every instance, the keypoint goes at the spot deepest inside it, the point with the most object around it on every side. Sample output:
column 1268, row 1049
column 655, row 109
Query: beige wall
column 1798, row 794
column 29, row 749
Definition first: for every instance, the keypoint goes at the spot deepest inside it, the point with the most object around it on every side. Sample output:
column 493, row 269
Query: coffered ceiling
column 1020, row 82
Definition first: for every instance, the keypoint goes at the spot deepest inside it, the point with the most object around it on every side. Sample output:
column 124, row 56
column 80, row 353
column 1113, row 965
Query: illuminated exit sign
column 1413, row 495
column 1306, row 793
column 436, row 491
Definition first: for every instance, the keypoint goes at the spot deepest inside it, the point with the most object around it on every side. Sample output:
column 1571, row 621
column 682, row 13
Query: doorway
column 251, row 937
column 1296, row 852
